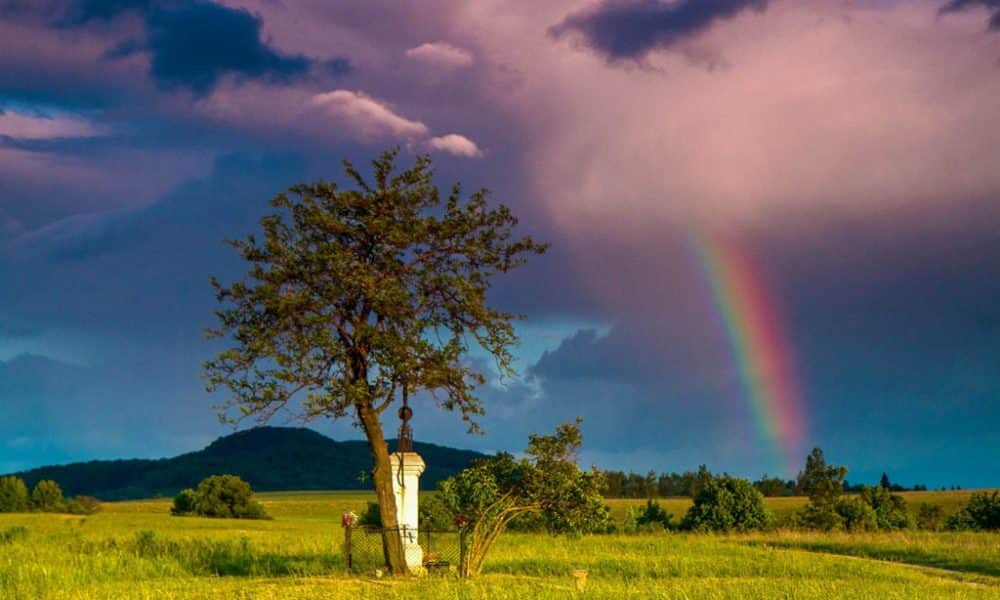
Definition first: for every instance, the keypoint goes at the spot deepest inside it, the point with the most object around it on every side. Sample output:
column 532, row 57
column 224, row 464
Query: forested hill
column 270, row 458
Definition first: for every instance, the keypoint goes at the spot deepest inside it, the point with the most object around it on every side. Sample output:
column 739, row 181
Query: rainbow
column 759, row 347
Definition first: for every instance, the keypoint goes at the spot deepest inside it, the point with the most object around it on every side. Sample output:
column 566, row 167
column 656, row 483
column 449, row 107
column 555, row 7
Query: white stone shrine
column 406, row 470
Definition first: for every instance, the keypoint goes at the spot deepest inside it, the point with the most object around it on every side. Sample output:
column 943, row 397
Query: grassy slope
column 298, row 556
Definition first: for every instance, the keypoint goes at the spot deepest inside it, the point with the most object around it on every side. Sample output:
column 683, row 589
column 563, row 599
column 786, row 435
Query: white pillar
column 407, row 491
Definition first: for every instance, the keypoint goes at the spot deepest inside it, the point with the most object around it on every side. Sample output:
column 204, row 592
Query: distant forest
column 269, row 458
column 620, row 484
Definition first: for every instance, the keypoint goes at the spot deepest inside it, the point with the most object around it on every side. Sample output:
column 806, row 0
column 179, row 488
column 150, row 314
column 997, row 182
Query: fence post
column 462, row 535
column 347, row 547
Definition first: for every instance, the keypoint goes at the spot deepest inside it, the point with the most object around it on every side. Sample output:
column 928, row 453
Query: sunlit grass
column 137, row 550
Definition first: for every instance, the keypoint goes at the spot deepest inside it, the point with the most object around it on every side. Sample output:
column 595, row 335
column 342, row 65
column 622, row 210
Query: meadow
column 137, row 550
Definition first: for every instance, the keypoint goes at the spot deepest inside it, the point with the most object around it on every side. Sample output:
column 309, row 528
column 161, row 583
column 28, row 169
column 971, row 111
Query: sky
column 775, row 224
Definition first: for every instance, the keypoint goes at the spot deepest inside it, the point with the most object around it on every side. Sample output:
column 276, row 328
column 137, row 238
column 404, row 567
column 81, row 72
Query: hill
column 270, row 458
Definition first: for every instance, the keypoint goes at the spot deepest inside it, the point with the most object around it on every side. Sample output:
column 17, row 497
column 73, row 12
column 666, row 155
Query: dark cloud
column 629, row 29
column 959, row 5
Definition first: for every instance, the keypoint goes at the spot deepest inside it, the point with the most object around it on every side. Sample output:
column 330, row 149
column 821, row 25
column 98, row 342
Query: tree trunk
column 392, row 542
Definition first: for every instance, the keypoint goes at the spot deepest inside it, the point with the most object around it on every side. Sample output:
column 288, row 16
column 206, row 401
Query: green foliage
column 13, row 534
column 727, row 504
column 930, row 517
column 819, row 516
column 47, row 496
column 185, row 503
column 890, row 509
column 653, row 516
column 488, row 496
column 855, row 515
column 981, row 513
column 823, row 484
column 219, row 496
column 83, row 505
column 434, row 514
column 13, row 495
column 371, row 517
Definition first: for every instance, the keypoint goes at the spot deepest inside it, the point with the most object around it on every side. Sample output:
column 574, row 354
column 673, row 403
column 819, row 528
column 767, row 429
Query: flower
column 348, row 519
column 461, row 521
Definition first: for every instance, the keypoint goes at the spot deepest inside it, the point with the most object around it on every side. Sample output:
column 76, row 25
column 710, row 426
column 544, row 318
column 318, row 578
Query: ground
column 137, row 550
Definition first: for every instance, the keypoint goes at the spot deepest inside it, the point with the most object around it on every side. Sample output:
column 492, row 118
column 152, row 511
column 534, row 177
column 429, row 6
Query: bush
column 47, row 496
column 185, row 503
column 434, row 514
column 930, row 516
column 856, row 514
column 890, row 509
column 820, row 515
column 13, row 495
column 981, row 513
column 653, row 516
column 222, row 497
column 727, row 503
column 372, row 516
column 83, row 505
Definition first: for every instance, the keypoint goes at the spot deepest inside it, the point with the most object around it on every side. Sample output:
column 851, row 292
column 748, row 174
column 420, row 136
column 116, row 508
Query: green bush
column 222, row 497
column 725, row 504
column 653, row 516
column 13, row 495
column 83, row 505
column 856, row 514
column 981, row 513
column 371, row 516
column 930, row 516
column 820, row 515
column 890, row 509
column 185, row 503
column 47, row 496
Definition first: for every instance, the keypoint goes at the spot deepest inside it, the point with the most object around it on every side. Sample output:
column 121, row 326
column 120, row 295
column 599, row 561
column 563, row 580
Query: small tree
column 185, row 503
column 930, row 516
column 47, row 496
column 727, row 504
column 227, row 497
column 13, row 494
column 491, row 493
column 980, row 513
column 824, row 485
column 357, row 297
column 856, row 514
column 890, row 509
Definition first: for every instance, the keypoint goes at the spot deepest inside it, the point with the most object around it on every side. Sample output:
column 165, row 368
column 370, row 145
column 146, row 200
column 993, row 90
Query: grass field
column 136, row 550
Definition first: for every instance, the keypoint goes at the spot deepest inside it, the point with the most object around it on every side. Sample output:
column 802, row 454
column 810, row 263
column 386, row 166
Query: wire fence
column 438, row 551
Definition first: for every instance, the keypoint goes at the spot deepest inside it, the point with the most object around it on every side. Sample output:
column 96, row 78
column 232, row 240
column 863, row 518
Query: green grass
column 136, row 550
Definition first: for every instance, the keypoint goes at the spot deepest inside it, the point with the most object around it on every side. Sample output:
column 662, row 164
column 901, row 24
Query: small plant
column 653, row 516
column 981, row 513
column 856, row 514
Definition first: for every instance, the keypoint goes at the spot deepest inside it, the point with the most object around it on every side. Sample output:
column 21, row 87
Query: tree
column 486, row 497
column 356, row 297
column 980, row 513
column 185, row 503
column 727, row 503
column 223, row 497
column 47, row 496
column 884, row 482
column 824, row 485
column 890, row 509
column 13, row 495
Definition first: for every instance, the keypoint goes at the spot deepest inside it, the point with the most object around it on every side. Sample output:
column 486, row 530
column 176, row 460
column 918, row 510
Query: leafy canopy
column 355, row 294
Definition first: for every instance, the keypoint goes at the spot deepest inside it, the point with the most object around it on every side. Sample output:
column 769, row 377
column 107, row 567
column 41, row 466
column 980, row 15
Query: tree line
column 619, row 484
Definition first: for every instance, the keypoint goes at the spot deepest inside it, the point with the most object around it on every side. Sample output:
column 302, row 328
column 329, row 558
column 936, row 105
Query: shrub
column 227, row 497
column 371, row 516
column 820, row 515
column 856, row 514
column 981, row 513
column 47, row 496
column 220, row 496
column 185, row 502
column 890, row 509
column 653, row 516
column 727, row 503
column 83, row 505
column 434, row 514
column 930, row 516
column 13, row 495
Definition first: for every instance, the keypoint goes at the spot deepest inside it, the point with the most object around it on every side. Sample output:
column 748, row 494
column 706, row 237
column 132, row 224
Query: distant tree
column 653, row 515
column 356, row 297
column 884, row 482
column 890, row 509
column 980, row 513
column 13, row 494
column 772, row 486
column 47, row 496
column 726, row 504
column 614, row 484
column 823, row 484
column 220, row 496
column 83, row 505
column 489, row 495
